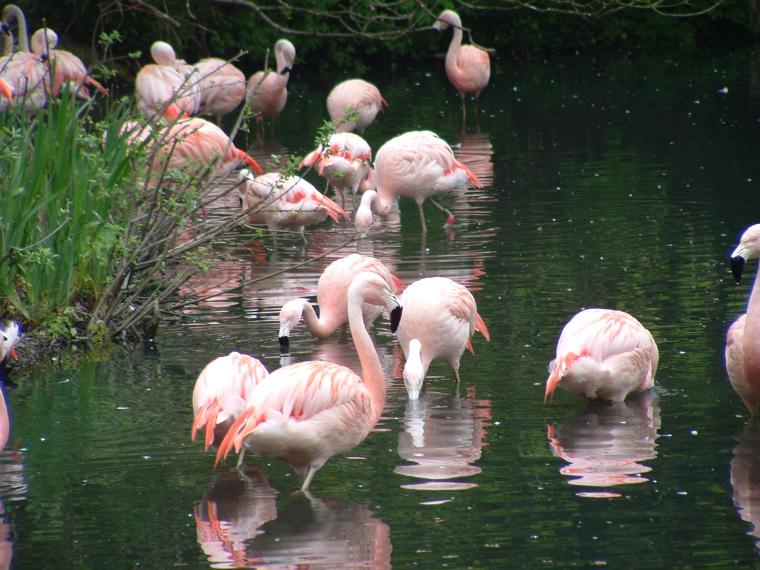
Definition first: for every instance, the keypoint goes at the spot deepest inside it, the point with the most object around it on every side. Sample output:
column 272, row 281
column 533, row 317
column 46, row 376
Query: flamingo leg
column 445, row 211
column 422, row 218
column 307, row 480
column 464, row 110
column 240, row 458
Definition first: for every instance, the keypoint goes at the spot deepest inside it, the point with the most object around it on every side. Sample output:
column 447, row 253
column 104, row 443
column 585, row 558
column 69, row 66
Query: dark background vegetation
column 200, row 28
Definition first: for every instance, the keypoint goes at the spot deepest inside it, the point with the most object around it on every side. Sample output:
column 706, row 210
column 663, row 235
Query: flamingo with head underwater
column 418, row 165
column 353, row 105
column 9, row 336
column 603, row 354
column 307, row 412
column 743, row 337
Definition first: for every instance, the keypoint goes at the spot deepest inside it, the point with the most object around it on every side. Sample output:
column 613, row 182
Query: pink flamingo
column 285, row 202
column 418, row 165
column 344, row 162
column 221, row 391
column 222, row 86
column 66, row 68
column 468, row 67
column 9, row 336
column 307, row 412
column 353, row 105
column 267, row 92
column 440, row 317
column 23, row 71
column 163, row 87
column 332, row 291
column 743, row 337
column 603, row 354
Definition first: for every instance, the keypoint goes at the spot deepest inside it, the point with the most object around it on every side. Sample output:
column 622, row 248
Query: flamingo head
column 43, row 40
column 8, row 338
column 163, row 53
column 414, row 370
column 290, row 316
column 363, row 216
column 288, row 53
column 369, row 287
column 447, row 18
column 748, row 249
column 557, row 369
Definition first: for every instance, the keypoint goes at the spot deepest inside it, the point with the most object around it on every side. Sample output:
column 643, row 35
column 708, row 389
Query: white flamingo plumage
column 603, row 354
column 305, row 413
column 353, row 105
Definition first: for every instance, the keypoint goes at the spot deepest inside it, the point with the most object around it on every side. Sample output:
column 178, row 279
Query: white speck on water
column 681, row 493
column 723, row 90
column 43, row 438
column 147, row 457
column 694, row 432
column 122, row 407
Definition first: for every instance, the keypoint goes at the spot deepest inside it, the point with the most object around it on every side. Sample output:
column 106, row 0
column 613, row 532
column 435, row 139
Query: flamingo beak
column 395, row 317
column 285, row 71
column 737, row 267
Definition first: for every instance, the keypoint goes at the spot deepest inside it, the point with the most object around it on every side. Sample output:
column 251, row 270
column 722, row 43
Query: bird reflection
column 476, row 151
column 745, row 478
column 443, row 437
column 12, row 488
column 604, row 443
column 239, row 527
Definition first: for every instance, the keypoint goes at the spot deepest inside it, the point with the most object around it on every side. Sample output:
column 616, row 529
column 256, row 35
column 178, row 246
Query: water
column 610, row 183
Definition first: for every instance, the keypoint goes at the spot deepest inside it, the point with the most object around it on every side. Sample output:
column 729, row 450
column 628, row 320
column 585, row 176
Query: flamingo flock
column 307, row 412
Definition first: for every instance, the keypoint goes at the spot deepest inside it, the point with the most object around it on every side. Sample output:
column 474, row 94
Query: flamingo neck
column 454, row 46
column 372, row 371
column 23, row 33
column 751, row 347
column 280, row 59
column 8, row 45
column 320, row 326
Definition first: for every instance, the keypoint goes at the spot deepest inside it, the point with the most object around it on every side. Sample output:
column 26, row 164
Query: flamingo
column 9, row 336
column 344, row 161
column 23, row 71
column 418, row 165
column 285, row 202
column 66, row 68
column 162, row 88
column 743, row 337
column 440, row 317
column 307, row 412
column 603, row 354
column 222, row 86
column 332, row 291
column 220, row 393
column 353, row 105
column 267, row 92
column 468, row 67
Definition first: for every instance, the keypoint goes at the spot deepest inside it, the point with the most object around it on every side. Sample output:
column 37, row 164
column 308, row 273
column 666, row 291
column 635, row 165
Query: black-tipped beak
column 284, row 341
column 240, row 201
column 737, row 266
column 395, row 318
column 285, row 71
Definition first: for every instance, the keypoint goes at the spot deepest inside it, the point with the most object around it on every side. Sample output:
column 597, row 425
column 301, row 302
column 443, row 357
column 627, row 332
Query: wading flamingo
column 222, row 87
column 220, row 393
column 418, row 165
column 267, row 92
column 285, row 202
column 345, row 161
column 440, row 317
column 22, row 70
column 603, row 354
column 353, row 105
column 9, row 336
column 332, row 291
column 163, row 89
column 468, row 67
column 743, row 337
column 307, row 412
column 66, row 68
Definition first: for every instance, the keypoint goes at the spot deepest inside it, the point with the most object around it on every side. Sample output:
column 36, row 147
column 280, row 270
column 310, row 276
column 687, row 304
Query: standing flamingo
column 353, row 105
column 9, row 336
column 468, row 67
column 603, row 354
column 285, row 202
column 222, row 87
column 65, row 67
column 307, row 412
column 440, row 317
column 221, row 391
column 344, row 161
column 418, row 165
column 161, row 88
column 267, row 92
column 22, row 70
column 332, row 291
column 743, row 337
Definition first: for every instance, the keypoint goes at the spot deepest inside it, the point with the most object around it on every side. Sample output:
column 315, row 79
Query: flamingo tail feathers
column 242, row 427
column 97, row 85
column 251, row 162
column 474, row 180
column 481, row 327
column 333, row 209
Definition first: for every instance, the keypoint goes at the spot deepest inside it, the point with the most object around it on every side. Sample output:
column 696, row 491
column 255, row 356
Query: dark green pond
column 614, row 183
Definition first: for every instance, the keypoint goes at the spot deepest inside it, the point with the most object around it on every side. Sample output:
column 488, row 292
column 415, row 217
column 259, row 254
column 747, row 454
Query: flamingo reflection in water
column 745, row 478
column 443, row 437
column 239, row 526
column 604, row 443
column 13, row 487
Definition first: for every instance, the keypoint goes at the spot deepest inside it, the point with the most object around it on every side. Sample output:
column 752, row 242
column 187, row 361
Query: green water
column 616, row 183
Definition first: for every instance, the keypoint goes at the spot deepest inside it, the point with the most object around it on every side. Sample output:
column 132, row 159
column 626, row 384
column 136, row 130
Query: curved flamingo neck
column 8, row 45
column 454, row 46
column 372, row 371
column 321, row 326
column 282, row 79
column 751, row 347
column 23, row 33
